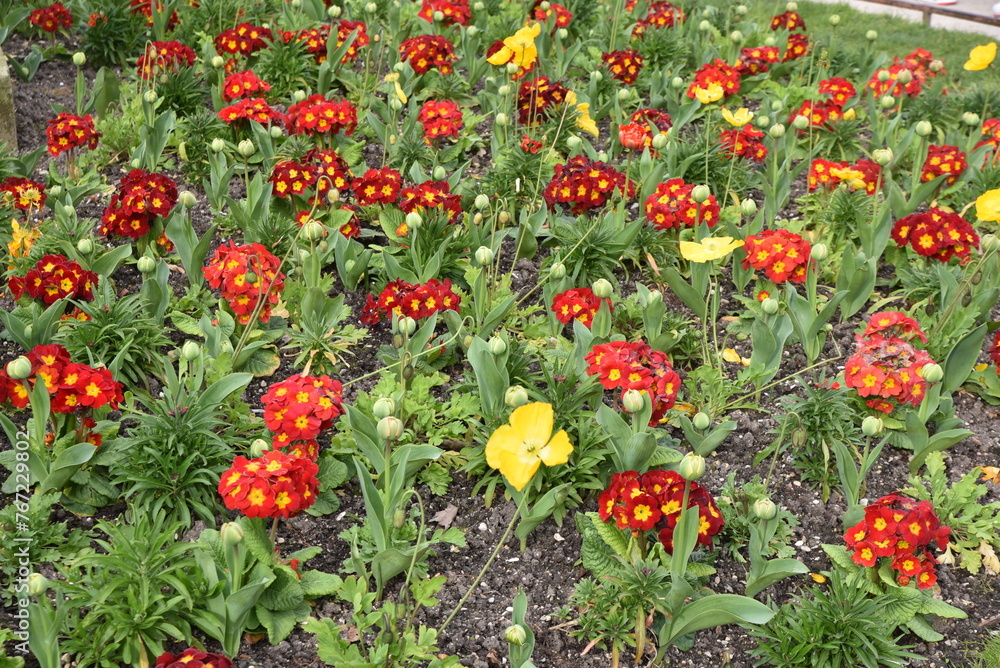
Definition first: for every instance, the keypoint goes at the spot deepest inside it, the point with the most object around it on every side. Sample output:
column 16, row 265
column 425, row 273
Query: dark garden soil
column 549, row 567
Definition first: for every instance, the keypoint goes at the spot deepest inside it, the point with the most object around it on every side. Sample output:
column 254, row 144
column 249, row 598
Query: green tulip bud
column 438, row 16
column 834, row 19
column 659, row 141
column 298, row 96
column 562, row 34
column 887, row 102
column 936, row 65
column 923, row 128
column 602, row 288
column 765, row 509
column 150, row 96
column 762, row 121
column 777, row 105
column 700, row 194
column 558, row 270
column 190, row 351
column 482, row 202
column 884, row 75
column 186, row 198
column 624, row 94
column 501, row 119
column 512, row 68
column 251, row 276
column 515, row 635
column 498, row 346
column 407, row 325
column 56, row 191
column 146, row 264
column 574, row 142
column 882, row 156
column 792, row 7
column 349, row 265
column 218, row 62
column 655, row 296
column 390, row 428
column 770, row 41
column 633, row 401
column 801, row 122
column 504, row 90
column 705, row 26
column 692, row 466
column 383, row 408
column 79, row 59
column 741, row 10
column 736, row 37
column 439, row 173
column 312, row 230
column 246, row 148
column 819, row 252
column 84, row 246
column 748, row 207
column 134, row 163
column 484, row 255
column 218, row 145
column 414, row 221
column 932, row 373
column 395, row 104
column 231, row 533
column 597, row 76
column 515, row 396
column 872, row 426
column 970, row 118
column 479, row 6
column 258, row 447
column 545, row 5
column 701, row 421
column 677, row 82
column 19, row 369
column 989, row 243
column 769, row 306
column 371, row 8
column 777, row 131
column 871, row 35
column 904, row 76
column 333, row 11
column 38, row 584
column 472, row 31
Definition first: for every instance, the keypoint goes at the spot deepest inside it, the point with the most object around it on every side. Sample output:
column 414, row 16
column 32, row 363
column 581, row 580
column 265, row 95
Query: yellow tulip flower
column 981, row 57
column 519, row 48
column 519, row 448
column 709, row 249
column 988, row 206
column 713, row 93
column 739, row 119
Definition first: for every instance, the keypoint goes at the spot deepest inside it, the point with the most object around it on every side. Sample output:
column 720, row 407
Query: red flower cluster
column 716, row 72
column 892, row 86
column 246, row 275
column 54, row 277
column 537, row 99
column 529, row 145
column 652, row 117
column 23, row 194
column 885, row 365
column 639, row 132
column 317, row 115
column 653, row 501
column 896, row 527
column 344, row 30
column 671, row 206
column 819, row 113
column 331, row 170
column 440, row 118
column 994, row 350
column 920, row 62
column 68, row 131
column 425, row 52
column 244, row 39
column 583, row 185
column 275, row 485
column 301, row 408
column 431, row 195
column 454, row 11
column 796, row 47
column 757, row 59
column 577, row 304
column 563, row 16
column 661, row 14
column 788, row 21
column 192, row 658
column 240, row 85
column 636, row 366
column 937, row 234
column 819, row 174
column 744, row 143
column 839, row 90
column 943, row 160
column 991, row 133
column 145, row 8
column 782, row 255
column 291, row 178
column 141, row 196
column 414, row 301
column 72, row 386
column 250, row 109
column 51, row 18
column 624, row 64
column 163, row 57
column 378, row 186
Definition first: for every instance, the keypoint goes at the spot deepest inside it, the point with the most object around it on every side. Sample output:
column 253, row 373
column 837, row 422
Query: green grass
column 896, row 37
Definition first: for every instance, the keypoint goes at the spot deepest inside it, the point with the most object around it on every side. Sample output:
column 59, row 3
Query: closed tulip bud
column 700, row 194
column 218, row 62
column 904, row 76
column 659, row 141
column 501, row 119
column 692, row 466
column 190, row 351
column 801, row 122
column 38, row 584
column 349, row 265
column 135, row 163
column 834, row 19
column 769, row 306
column 333, row 11
column 56, row 191
column 970, row 118
column 633, row 401
column 482, row 202
column 792, row 7
column 800, row 437
column 231, row 533
column 226, row 346
column 748, row 207
column 438, row 16
column 246, row 148
column 407, row 325
column 770, row 41
column 602, row 288
column 146, row 264
column 872, row 426
column 259, row 447
column 871, row 35
column 479, row 6
column 484, row 255
column 765, row 509
column 390, row 428
column 762, row 121
column 741, row 10
column 498, row 346
column 736, row 37
column 298, row 96
column 504, row 90
column 19, row 369
column 655, row 296
column 705, row 26
column 597, row 76
column 79, row 59
column 932, row 373
column 371, row 8
column 677, row 82
column 887, row 102
column 562, row 34
column 515, row 634
column 186, row 199
column 84, row 246
column 395, row 104
column 218, row 145
column 439, row 173
column 882, row 156
column 512, row 68
column 472, row 31
column 819, row 252
column 923, row 128
column 936, row 65
column 884, row 75
column 149, row 96
column 545, row 5
column 701, row 421
column 503, row 217
column 990, row 243
column 515, row 396
column 413, row 220
column 478, row 218
column 312, row 230
column 777, row 105
column 558, row 270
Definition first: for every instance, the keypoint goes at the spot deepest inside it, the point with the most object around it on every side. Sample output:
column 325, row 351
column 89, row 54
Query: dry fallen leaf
column 350, row 633
column 253, row 638
column 446, row 517
column 991, row 474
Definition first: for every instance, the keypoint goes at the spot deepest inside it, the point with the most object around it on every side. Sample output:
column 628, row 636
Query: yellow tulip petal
column 504, row 439
column 558, row 449
column 501, row 57
column 730, row 355
column 533, row 422
column 518, row 469
column 710, row 248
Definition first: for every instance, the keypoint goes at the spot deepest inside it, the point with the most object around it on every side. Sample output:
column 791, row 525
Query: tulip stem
column 274, row 529
column 489, row 562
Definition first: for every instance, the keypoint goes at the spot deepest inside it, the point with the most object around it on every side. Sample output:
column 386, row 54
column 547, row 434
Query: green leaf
column 280, row 624
column 285, row 593
column 256, row 539
column 594, row 553
column 716, row 610
column 960, row 360
column 840, row 556
column 612, row 536
column 318, row 583
column 923, row 630
column 699, row 569
column 932, row 606
column 899, row 605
